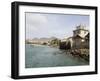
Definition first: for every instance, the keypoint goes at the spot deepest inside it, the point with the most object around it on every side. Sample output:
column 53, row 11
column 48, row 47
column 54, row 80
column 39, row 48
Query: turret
column 80, row 30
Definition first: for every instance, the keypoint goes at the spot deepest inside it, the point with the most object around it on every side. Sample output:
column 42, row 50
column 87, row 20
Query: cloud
column 35, row 20
column 47, row 25
column 34, row 23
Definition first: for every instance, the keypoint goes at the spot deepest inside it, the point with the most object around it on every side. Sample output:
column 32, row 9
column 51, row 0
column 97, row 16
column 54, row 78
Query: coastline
column 83, row 53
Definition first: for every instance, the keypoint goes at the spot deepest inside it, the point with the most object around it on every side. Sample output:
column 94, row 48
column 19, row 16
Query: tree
column 55, row 42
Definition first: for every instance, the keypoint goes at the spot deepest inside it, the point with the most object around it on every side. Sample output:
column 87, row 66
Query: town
column 77, row 44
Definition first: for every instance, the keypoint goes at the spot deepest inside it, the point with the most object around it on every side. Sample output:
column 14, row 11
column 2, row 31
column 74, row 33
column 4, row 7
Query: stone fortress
column 79, row 40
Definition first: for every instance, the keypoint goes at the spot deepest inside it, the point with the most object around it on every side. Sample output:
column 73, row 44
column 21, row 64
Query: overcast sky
column 52, row 25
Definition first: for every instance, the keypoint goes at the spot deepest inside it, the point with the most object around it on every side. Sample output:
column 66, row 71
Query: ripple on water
column 45, row 56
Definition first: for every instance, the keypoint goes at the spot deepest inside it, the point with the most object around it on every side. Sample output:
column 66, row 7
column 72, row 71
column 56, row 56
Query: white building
column 79, row 36
column 81, row 31
column 77, row 40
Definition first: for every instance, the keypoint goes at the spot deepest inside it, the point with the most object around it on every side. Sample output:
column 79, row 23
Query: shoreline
column 83, row 53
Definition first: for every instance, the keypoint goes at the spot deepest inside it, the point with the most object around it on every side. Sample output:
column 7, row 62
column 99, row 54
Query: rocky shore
column 83, row 53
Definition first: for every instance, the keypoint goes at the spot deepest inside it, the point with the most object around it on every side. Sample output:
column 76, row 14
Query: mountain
column 43, row 39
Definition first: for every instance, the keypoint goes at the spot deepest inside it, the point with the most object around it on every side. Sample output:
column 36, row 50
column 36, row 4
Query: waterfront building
column 79, row 37
column 79, row 40
column 81, row 31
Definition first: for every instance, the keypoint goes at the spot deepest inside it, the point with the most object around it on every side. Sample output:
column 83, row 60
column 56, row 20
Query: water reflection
column 46, row 56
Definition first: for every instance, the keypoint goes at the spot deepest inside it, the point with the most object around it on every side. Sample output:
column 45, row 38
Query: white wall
column 5, row 40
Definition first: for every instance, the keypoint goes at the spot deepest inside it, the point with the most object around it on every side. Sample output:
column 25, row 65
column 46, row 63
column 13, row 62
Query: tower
column 81, row 31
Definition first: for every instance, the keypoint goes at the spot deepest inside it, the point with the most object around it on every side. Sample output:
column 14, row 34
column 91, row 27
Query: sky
column 40, row 25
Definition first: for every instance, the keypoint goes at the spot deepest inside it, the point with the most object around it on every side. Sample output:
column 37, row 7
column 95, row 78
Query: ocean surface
column 45, row 56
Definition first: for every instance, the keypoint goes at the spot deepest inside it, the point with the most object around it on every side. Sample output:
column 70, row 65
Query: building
column 86, row 43
column 80, row 37
column 81, row 31
column 79, row 40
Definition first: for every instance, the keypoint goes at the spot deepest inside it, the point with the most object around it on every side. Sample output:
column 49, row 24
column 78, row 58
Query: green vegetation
column 44, row 43
column 55, row 42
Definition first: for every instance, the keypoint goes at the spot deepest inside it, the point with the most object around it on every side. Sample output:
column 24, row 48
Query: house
column 86, row 43
column 80, row 37
column 79, row 40
column 80, row 30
